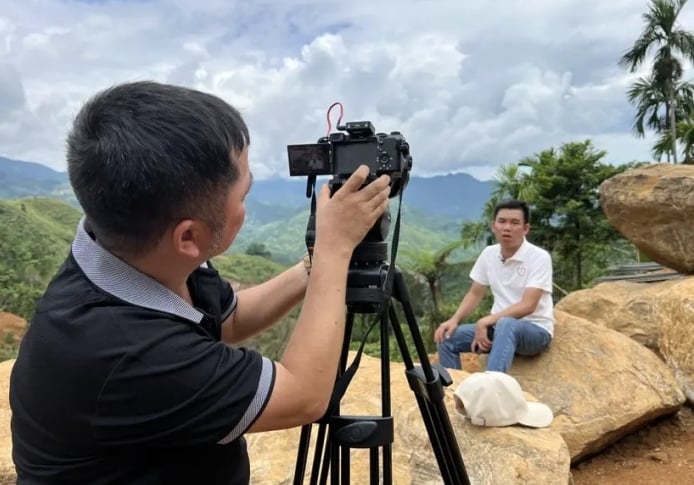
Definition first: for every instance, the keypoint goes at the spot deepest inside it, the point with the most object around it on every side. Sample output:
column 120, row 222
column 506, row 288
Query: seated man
column 129, row 371
column 520, row 277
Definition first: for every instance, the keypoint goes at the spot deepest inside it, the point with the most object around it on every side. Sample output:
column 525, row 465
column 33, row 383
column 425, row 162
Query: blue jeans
column 511, row 336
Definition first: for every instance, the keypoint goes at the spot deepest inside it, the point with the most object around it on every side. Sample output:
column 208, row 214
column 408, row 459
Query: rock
column 657, row 315
column 631, row 308
column 625, row 306
column 650, row 206
column 659, row 456
column 676, row 325
column 600, row 384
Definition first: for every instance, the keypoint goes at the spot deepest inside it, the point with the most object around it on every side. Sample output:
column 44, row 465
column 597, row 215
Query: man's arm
column 262, row 306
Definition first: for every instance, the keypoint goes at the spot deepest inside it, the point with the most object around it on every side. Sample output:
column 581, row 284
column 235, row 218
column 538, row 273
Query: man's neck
column 508, row 251
column 172, row 275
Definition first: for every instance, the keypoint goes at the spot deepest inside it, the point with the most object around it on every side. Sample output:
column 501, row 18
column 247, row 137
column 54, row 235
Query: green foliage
column 247, row 269
column 271, row 343
column 35, row 242
column 661, row 99
column 430, row 265
column 9, row 347
column 258, row 249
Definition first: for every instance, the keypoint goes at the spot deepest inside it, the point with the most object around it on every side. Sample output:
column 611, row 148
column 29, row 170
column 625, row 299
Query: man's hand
column 481, row 342
column 343, row 220
column 445, row 330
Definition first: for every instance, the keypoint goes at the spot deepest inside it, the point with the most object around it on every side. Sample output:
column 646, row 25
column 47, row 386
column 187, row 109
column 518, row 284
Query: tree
column 566, row 217
column 258, row 249
column 510, row 182
column 431, row 266
column 685, row 135
column 651, row 106
column 661, row 34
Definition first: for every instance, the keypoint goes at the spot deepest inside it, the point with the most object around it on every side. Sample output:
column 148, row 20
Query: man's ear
column 190, row 238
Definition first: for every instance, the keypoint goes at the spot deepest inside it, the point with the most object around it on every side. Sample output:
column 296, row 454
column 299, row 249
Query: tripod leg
column 302, row 453
column 385, row 404
column 429, row 394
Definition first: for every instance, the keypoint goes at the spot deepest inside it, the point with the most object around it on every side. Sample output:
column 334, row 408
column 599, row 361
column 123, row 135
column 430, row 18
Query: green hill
column 285, row 239
column 35, row 240
column 246, row 268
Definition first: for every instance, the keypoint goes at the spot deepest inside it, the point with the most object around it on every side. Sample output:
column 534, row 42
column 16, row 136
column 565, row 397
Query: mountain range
column 433, row 208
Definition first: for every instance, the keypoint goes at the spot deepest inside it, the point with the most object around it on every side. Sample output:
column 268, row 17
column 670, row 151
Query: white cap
column 496, row 399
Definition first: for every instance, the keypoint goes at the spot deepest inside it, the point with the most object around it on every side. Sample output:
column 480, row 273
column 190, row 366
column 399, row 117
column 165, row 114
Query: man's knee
column 446, row 346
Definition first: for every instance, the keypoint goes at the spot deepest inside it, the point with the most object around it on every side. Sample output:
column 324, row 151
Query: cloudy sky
column 471, row 85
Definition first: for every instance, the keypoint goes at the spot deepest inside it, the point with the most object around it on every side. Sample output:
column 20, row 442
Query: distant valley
column 277, row 209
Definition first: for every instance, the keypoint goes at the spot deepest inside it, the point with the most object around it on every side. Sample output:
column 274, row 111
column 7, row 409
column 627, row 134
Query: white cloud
column 470, row 87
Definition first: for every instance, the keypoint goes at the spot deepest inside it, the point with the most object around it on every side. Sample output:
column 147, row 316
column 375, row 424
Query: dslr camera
column 339, row 154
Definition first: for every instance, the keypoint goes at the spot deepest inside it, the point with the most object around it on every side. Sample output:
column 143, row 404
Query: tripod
column 369, row 289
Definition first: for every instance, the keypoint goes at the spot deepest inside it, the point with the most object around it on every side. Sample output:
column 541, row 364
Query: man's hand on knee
column 445, row 330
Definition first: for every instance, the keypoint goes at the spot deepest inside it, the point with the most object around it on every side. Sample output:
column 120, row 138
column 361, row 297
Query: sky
column 471, row 85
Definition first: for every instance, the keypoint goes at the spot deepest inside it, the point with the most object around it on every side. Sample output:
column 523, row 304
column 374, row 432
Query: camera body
column 341, row 153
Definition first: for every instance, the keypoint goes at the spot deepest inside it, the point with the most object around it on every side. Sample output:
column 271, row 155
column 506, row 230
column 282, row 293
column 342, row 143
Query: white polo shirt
column 529, row 267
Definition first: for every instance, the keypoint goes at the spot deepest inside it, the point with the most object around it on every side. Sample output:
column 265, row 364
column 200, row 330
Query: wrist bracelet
column 307, row 263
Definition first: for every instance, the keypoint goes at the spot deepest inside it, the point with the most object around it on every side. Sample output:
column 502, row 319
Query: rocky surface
column 651, row 206
column 600, row 384
column 658, row 315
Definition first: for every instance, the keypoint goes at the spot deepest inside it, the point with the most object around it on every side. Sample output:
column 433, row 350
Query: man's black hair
column 143, row 156
column 513, row 204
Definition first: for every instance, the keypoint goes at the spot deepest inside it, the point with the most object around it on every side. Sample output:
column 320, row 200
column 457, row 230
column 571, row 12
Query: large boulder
column 676, row 325
column 658, row 315
column 628, row 307
column 600, row 384
column 651, row 206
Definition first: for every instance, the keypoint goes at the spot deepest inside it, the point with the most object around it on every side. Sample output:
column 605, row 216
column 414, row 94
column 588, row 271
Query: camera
column 339, row 154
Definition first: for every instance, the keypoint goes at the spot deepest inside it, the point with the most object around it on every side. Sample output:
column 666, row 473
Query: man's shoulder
column 69, row 286
column 490, row 251
column 537, row 251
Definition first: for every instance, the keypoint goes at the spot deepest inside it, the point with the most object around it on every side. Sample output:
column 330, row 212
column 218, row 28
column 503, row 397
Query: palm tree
column 685, row 135
column 511, row 182
column 431, row 266
column 650, row 100
column 663, row 35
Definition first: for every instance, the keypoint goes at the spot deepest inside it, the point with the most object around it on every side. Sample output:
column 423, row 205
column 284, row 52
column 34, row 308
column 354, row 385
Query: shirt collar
column 116, row 277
